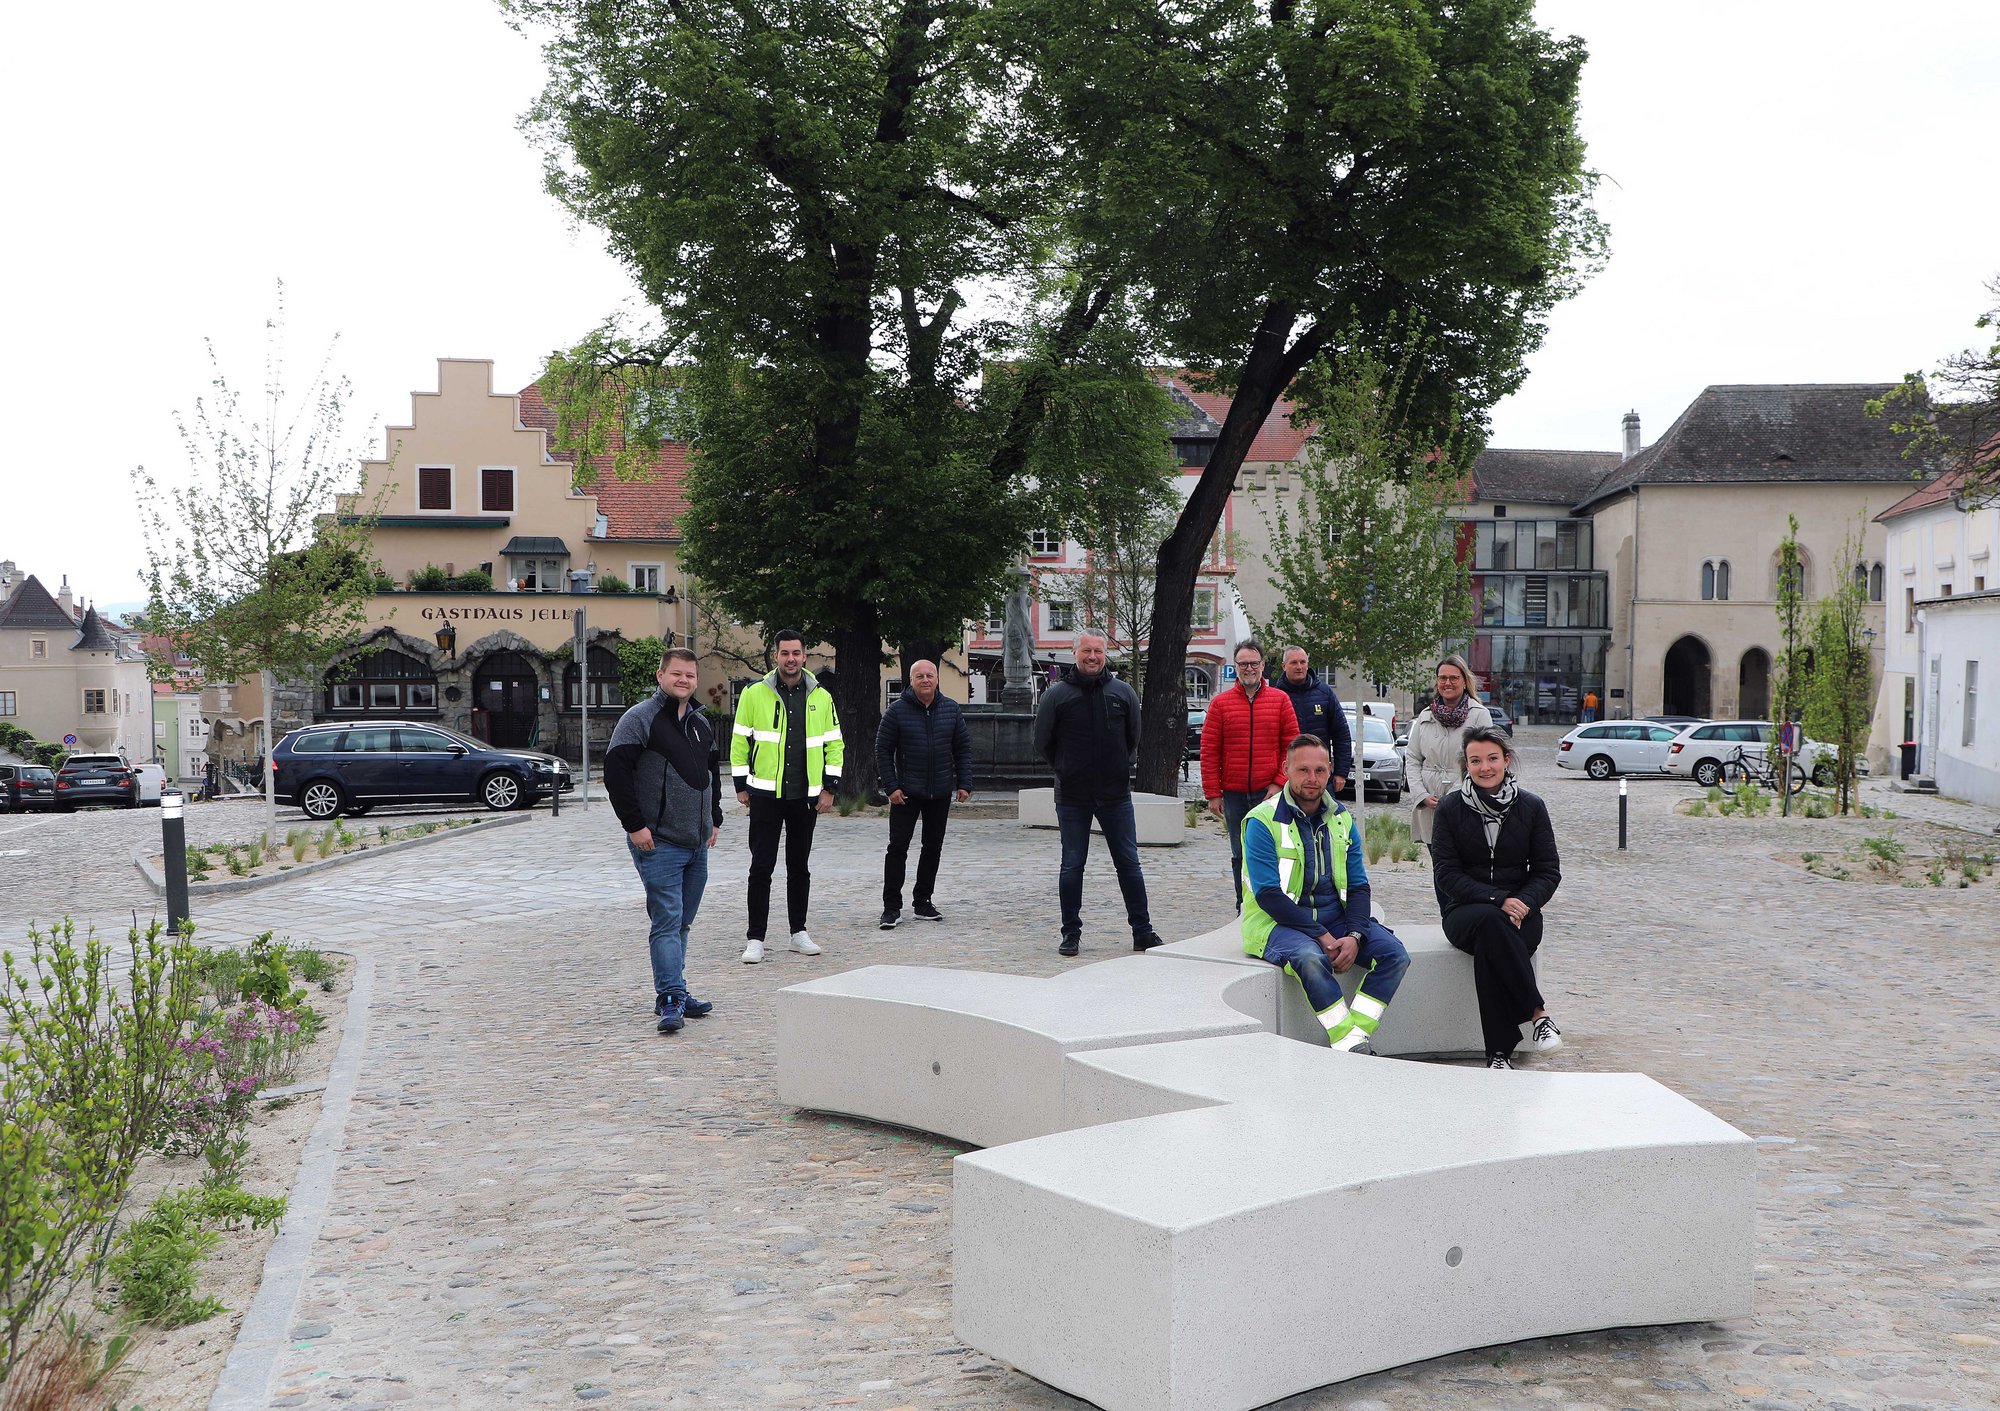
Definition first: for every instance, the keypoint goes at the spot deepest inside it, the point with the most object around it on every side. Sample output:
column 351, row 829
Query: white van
column 150, row 778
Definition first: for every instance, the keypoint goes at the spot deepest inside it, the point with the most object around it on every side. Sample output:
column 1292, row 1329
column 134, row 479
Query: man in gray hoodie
column 664, row 775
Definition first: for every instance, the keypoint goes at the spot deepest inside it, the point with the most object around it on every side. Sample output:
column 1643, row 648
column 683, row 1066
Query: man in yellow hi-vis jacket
column 785, row 756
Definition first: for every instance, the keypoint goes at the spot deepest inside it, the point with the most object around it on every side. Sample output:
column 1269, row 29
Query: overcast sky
column 1797, row 191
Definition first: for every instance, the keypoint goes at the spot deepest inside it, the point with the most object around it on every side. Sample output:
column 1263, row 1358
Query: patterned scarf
column 1451, row 716
column 1491, row 807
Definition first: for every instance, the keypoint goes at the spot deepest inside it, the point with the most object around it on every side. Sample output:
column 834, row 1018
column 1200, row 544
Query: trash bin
column 1909, row 752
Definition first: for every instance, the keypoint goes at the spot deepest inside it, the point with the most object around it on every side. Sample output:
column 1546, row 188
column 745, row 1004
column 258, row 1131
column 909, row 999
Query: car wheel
column 321, row 800
column 1600, row 767
column 500, row 791
column 1822, row 775
column 1708, row 774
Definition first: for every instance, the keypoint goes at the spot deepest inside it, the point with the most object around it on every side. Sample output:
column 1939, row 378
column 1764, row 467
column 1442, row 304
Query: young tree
column 1839, row 695
column 1298, row 178
column 1367, row 565
column 805, row 193
column 249, row 572
column 1952, row 416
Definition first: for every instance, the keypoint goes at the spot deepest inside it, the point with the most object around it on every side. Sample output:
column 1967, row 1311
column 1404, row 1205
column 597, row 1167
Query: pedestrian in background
column 1437, row 739
column 663, row 772
column 785, row 754
column 1319, row 712
column 1087, row 728
column 924, row 753
column 1243, row 743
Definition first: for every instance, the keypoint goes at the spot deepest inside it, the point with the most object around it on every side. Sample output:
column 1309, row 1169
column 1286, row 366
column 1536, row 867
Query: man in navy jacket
column 1319, row 712
column 924, row 753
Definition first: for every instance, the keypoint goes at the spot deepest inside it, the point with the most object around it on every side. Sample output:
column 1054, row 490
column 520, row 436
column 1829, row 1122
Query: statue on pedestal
column 1018, row 653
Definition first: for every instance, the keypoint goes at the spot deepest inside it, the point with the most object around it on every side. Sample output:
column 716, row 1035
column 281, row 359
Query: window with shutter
column 496, row 488
column 433, row 487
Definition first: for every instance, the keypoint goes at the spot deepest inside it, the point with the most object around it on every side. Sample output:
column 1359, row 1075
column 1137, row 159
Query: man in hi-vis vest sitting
column 785, row 756
column 1306, row 899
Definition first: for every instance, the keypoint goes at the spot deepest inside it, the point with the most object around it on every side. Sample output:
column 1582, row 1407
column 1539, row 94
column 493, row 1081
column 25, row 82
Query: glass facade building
column 1540, row 616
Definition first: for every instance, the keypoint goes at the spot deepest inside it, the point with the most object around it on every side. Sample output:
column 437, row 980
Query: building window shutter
column 434, row 487
column 496, row 489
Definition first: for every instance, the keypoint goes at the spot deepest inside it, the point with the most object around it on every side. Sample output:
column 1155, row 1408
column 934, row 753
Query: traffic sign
column 1788, row 737
column 69, row 741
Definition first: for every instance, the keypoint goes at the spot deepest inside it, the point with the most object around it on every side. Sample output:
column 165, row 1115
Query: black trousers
column 1501, row 969
column 903, row 819
column 794, row 819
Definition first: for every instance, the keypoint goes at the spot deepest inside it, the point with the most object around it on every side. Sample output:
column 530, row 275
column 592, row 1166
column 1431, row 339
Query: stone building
column 64, row 670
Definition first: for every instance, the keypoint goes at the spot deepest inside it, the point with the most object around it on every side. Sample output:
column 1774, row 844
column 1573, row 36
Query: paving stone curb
column 142, row 859
column 245, row 1384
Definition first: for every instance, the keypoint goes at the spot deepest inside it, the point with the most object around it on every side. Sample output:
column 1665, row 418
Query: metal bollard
column 173, row 835
column 555, row 801
column 1623, row 794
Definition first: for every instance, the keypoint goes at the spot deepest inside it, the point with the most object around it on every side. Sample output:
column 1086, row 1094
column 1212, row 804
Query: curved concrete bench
column 1241, row 1219
column 978, row 1056
column 1160, row 818
column 1435, row 1012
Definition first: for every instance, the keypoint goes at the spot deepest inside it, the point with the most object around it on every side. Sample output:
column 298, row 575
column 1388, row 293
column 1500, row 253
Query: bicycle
column 1743, row 768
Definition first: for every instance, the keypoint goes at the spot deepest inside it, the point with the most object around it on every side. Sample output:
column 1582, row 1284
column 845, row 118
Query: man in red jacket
column 1243, row 750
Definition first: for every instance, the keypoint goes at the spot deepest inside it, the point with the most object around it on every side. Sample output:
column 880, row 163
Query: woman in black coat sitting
column 1495, row 867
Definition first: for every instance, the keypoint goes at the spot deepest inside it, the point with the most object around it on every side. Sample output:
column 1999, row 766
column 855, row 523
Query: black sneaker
column 696, row 1008
column 924, row 911
column 1071, row 945
column 891, row 920
column 1147, row 940
column 670, row 1009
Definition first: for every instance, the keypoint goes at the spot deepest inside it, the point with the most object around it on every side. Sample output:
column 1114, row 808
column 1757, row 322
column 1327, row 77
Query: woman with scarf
column 1437, row 736
column 1494, row 864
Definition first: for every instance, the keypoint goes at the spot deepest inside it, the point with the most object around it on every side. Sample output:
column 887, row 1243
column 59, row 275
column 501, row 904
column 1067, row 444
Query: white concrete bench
column 1161, row 819
column 1240, row 1219
column 1435, row 1012
column 977, row 1056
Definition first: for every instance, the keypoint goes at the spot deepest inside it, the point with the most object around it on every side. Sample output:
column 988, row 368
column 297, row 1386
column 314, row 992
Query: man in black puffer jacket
column 924, row 752
column 1087, row 728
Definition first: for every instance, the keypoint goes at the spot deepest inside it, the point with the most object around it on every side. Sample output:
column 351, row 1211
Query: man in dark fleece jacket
column 664, row 775
column 923, row 753
column 1087, row 728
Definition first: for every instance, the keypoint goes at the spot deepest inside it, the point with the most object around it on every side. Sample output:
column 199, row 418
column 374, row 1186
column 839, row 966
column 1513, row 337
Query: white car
column 1379, row 752
column 1700, row 751
column 151, row 779
column 1611, row 747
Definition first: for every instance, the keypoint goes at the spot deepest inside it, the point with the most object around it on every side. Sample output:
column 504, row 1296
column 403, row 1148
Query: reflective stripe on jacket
column 757, row 743
column 1277, row 825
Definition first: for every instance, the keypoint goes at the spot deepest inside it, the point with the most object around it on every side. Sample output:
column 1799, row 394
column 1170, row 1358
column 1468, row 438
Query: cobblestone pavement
column 540, row 1201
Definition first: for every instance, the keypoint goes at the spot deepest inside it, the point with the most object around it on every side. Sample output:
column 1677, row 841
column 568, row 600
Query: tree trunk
column 1265, row 375
column 857, row 695
column 269, row 679
column 930, row 649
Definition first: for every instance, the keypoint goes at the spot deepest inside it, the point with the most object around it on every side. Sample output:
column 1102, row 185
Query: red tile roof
column 1277, row 439
column 649, row 508
column 1934, row 492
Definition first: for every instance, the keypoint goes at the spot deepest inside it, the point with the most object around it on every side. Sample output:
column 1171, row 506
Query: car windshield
column 1376, row 732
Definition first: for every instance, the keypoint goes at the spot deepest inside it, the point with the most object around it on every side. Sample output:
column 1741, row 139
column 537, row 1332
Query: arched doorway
column 1688, row 672
column 1753, row 685
column 506, row 699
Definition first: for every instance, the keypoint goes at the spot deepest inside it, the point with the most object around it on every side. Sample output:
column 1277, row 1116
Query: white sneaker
column 753, row 954
column 803, row 944
column 1545, row 1038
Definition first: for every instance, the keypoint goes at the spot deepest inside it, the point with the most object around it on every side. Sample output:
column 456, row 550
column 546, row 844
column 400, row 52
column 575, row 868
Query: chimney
column 1631, row 434
column 63, row 599
column 6, row 579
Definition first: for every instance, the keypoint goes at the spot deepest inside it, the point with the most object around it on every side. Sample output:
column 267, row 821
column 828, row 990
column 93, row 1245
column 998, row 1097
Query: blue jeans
column 1381, row 960
column 674, row 879
column 1121, row 835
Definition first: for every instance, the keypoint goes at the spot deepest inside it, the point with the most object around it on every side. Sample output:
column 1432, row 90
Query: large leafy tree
column 809, row 194
column 1951, row 416
column 1298, row 179
column 249, row 571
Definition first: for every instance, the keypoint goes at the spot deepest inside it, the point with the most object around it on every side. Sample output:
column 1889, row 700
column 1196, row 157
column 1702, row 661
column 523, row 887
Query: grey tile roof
column 1801, row 432
column 535, row 544
column 1539, row 477
column 1192, row 423
column 32, row 606
column 96, row 637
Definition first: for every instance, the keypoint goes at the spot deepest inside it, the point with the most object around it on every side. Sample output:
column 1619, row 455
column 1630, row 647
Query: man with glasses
column 1243, row 745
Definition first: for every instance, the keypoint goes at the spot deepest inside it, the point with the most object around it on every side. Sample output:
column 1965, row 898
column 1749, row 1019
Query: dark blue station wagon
column 349, row 767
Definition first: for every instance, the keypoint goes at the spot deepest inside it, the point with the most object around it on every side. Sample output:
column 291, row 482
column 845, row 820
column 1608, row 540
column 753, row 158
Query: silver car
column 1384, row 760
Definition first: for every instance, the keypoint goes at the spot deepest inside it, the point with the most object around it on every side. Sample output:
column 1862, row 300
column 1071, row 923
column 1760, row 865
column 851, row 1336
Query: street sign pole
column 582, row 653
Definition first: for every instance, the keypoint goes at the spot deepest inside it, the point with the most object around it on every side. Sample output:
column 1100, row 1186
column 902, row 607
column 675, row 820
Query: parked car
column 27, row 786
column 1384, row 760
column 152, row 781
column 95, row 778
column 349, row 767
column 1679, row 722
column 1502, row 721
column 1700, row 751
column 1197, row 717
column 1608, row 748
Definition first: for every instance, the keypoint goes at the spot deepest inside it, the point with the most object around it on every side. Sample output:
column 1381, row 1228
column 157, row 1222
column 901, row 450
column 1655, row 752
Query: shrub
column 430, row 579
column 473, row 580
column 316, row 968
column 68, row 1366
column 155, row 1263
column 384, row 583
column 86, row 1070
column 51, row 756
column 612, row 583
column 268, row 974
